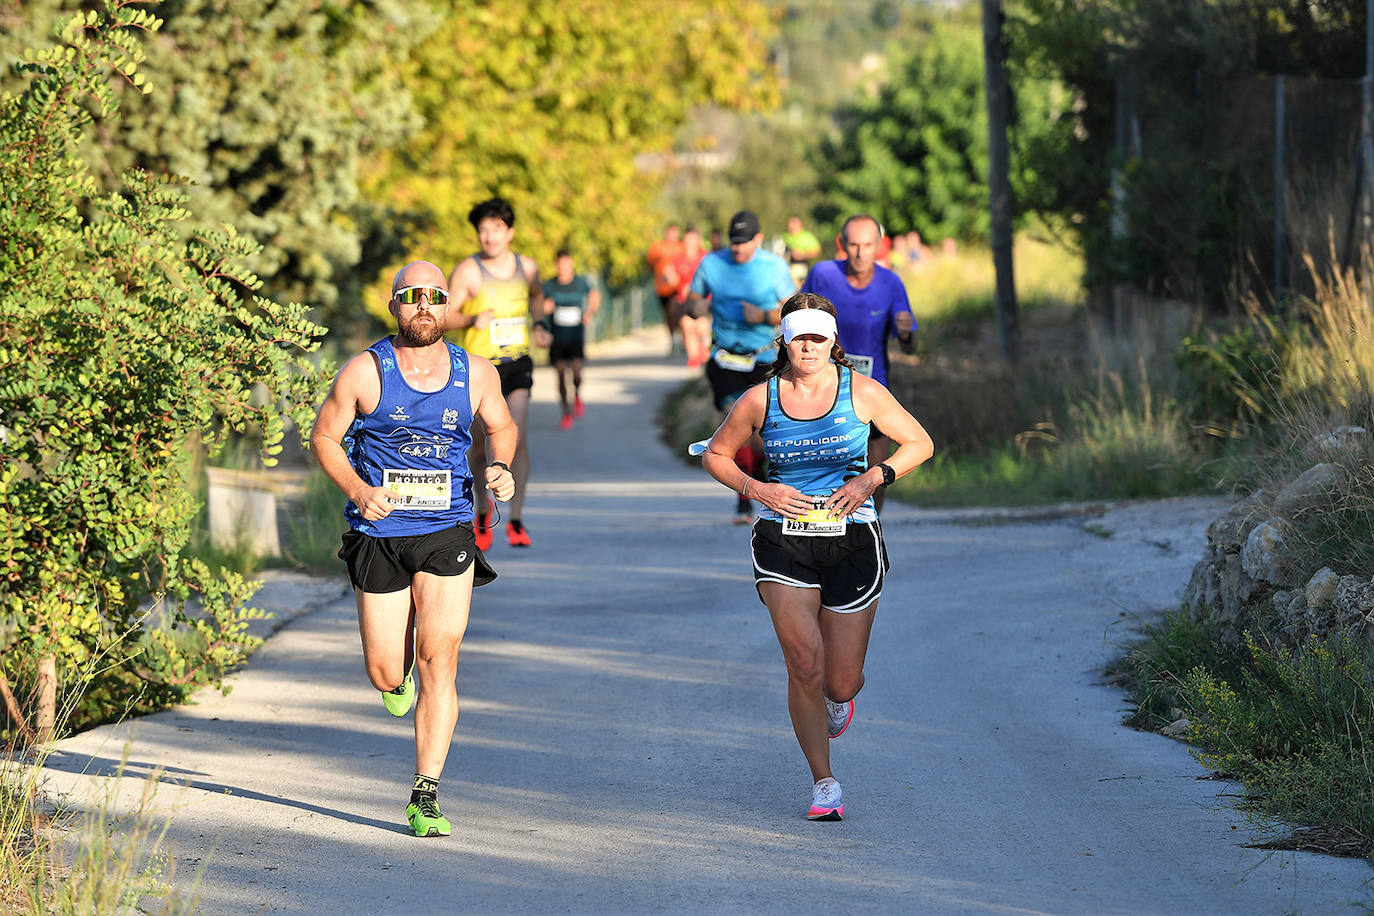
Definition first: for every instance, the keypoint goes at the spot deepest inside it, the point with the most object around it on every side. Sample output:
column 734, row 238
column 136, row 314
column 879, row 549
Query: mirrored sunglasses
column 410, row 295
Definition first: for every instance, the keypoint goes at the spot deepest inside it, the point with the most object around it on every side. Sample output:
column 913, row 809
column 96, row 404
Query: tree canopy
column 914, row 152
column 548, row 104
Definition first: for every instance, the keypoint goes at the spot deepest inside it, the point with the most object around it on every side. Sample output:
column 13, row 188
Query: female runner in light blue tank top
column 817, row 545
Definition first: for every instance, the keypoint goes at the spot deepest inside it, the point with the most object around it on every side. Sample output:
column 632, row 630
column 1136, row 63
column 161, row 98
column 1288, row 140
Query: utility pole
column 999, row 178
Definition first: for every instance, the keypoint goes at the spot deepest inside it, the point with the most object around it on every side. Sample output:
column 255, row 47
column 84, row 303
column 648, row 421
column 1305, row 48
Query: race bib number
column 862, row 364
column 567, row 316
column 508, row 332
column 420, row 491
column 819, row 522
column 735, row 362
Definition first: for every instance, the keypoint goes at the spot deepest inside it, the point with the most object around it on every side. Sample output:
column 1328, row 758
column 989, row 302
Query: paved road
column 624, row 742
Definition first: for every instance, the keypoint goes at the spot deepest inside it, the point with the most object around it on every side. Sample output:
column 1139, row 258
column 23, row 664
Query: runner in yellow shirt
column 496, row 297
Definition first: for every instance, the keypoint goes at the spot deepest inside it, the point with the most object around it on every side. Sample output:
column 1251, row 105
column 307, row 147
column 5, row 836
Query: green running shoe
column 425, row 818
column 398, row 701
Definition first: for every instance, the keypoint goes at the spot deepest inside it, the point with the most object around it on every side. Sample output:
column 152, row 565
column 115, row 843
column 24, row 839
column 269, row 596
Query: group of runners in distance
column 811, row 434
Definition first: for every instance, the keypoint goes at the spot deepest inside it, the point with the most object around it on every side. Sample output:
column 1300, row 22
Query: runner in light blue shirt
column 746, row 287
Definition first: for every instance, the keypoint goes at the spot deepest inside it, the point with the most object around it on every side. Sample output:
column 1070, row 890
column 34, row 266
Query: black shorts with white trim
column 847, row 568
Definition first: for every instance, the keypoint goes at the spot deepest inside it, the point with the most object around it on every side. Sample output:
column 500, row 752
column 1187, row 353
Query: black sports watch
column 500, row 464
column 889, row 475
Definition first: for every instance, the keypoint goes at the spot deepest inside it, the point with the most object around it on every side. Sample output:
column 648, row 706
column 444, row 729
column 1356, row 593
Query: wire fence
column 1221, row 192
column 624, row 310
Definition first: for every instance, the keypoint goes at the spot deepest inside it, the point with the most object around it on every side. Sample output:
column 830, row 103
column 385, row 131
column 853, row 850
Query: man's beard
column 421, row 334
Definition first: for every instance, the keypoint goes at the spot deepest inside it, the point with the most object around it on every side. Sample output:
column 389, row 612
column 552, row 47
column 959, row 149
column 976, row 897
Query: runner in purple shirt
column 870, row 306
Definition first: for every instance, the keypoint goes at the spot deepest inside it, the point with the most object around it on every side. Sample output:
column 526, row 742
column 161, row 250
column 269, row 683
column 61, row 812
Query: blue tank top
column 816, row 456
column 415, row 442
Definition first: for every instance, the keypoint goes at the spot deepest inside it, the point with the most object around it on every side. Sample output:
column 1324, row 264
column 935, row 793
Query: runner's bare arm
column 698, row 306
column 914, row 445
column 906, row 334
column 463, row 284
column 355, row 391
column 874, row 401
column 756, row 315
column 593, row 303
column 744, row 418
column 542, row 337
column 490, row 407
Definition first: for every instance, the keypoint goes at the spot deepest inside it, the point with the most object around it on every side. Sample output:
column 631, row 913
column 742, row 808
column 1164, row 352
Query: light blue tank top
column 816, row 456
column 415, row 442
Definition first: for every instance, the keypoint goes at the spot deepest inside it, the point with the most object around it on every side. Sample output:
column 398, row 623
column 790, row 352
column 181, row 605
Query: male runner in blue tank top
column 393, row 435
column 870, row 306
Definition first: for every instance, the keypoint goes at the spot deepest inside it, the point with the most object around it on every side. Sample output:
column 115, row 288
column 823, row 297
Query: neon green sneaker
column 398, row 701
column 425, row 818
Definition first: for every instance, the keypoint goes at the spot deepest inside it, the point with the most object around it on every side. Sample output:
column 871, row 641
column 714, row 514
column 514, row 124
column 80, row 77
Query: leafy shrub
column 127, row 331
column 1292, row 727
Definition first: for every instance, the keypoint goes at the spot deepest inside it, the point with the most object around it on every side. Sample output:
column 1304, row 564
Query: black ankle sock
column 424, row 785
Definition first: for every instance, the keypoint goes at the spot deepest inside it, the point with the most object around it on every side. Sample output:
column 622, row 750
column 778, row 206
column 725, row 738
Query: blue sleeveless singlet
column 415, row 442
column 816, row 456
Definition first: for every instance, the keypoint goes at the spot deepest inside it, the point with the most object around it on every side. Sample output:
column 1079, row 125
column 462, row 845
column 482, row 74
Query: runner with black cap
column 818, row 551
column 746, row 286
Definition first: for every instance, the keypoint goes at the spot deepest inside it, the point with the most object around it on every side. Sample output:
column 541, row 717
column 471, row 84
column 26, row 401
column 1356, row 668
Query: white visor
column 808, row 321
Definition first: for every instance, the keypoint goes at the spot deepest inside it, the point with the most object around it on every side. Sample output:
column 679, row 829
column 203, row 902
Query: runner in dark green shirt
column 569, row 303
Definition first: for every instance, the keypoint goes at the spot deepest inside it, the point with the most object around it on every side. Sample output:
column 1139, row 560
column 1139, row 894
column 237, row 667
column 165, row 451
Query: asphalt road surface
column 624, row 742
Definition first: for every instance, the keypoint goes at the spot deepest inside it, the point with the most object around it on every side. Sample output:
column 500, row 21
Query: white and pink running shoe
column 838, row 716
column 826, row 803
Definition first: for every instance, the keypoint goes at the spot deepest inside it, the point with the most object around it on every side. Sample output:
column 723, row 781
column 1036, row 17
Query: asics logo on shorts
column 462, row 556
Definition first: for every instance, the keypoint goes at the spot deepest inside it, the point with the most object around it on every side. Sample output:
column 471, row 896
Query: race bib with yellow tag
column 508, row 332
column 862, row 364
column 735, row 362
column 819, row 522
column 420, row 490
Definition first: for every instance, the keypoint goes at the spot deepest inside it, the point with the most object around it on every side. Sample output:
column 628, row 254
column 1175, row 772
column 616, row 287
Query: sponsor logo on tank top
column 419, row 445
column 399, row 414
column 450, row 420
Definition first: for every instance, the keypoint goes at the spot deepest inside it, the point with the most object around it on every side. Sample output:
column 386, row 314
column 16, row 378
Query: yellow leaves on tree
column 548, row 104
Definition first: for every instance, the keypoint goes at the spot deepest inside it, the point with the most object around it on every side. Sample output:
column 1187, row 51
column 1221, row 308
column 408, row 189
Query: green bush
column 1228, row 374
column 1292, row 727
column 128, row 331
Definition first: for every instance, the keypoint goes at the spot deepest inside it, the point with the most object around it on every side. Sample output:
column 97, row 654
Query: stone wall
column 1260, row 568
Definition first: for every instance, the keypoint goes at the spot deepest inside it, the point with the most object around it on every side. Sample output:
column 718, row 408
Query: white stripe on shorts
column 875, row 590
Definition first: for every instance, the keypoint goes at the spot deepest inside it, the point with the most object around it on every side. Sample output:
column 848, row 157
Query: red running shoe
column 482, row 529
column 566, row 422
column 578, row 409
column 516, row 534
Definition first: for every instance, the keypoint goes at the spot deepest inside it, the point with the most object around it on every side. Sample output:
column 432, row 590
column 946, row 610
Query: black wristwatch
column 889, row 475
column 500, row 464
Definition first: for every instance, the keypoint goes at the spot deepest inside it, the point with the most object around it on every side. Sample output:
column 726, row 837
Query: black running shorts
column 379, row 565
column 848, row 569
column 562, row 351
column 727, row 384
column 515, row 374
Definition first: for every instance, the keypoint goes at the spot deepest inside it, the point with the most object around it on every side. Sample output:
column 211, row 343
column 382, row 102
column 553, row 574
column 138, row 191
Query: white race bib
column 420, row 491
column 508, row 332
column 735, row 362
column 862, row 364
column 567, row 316
column 819, row 522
